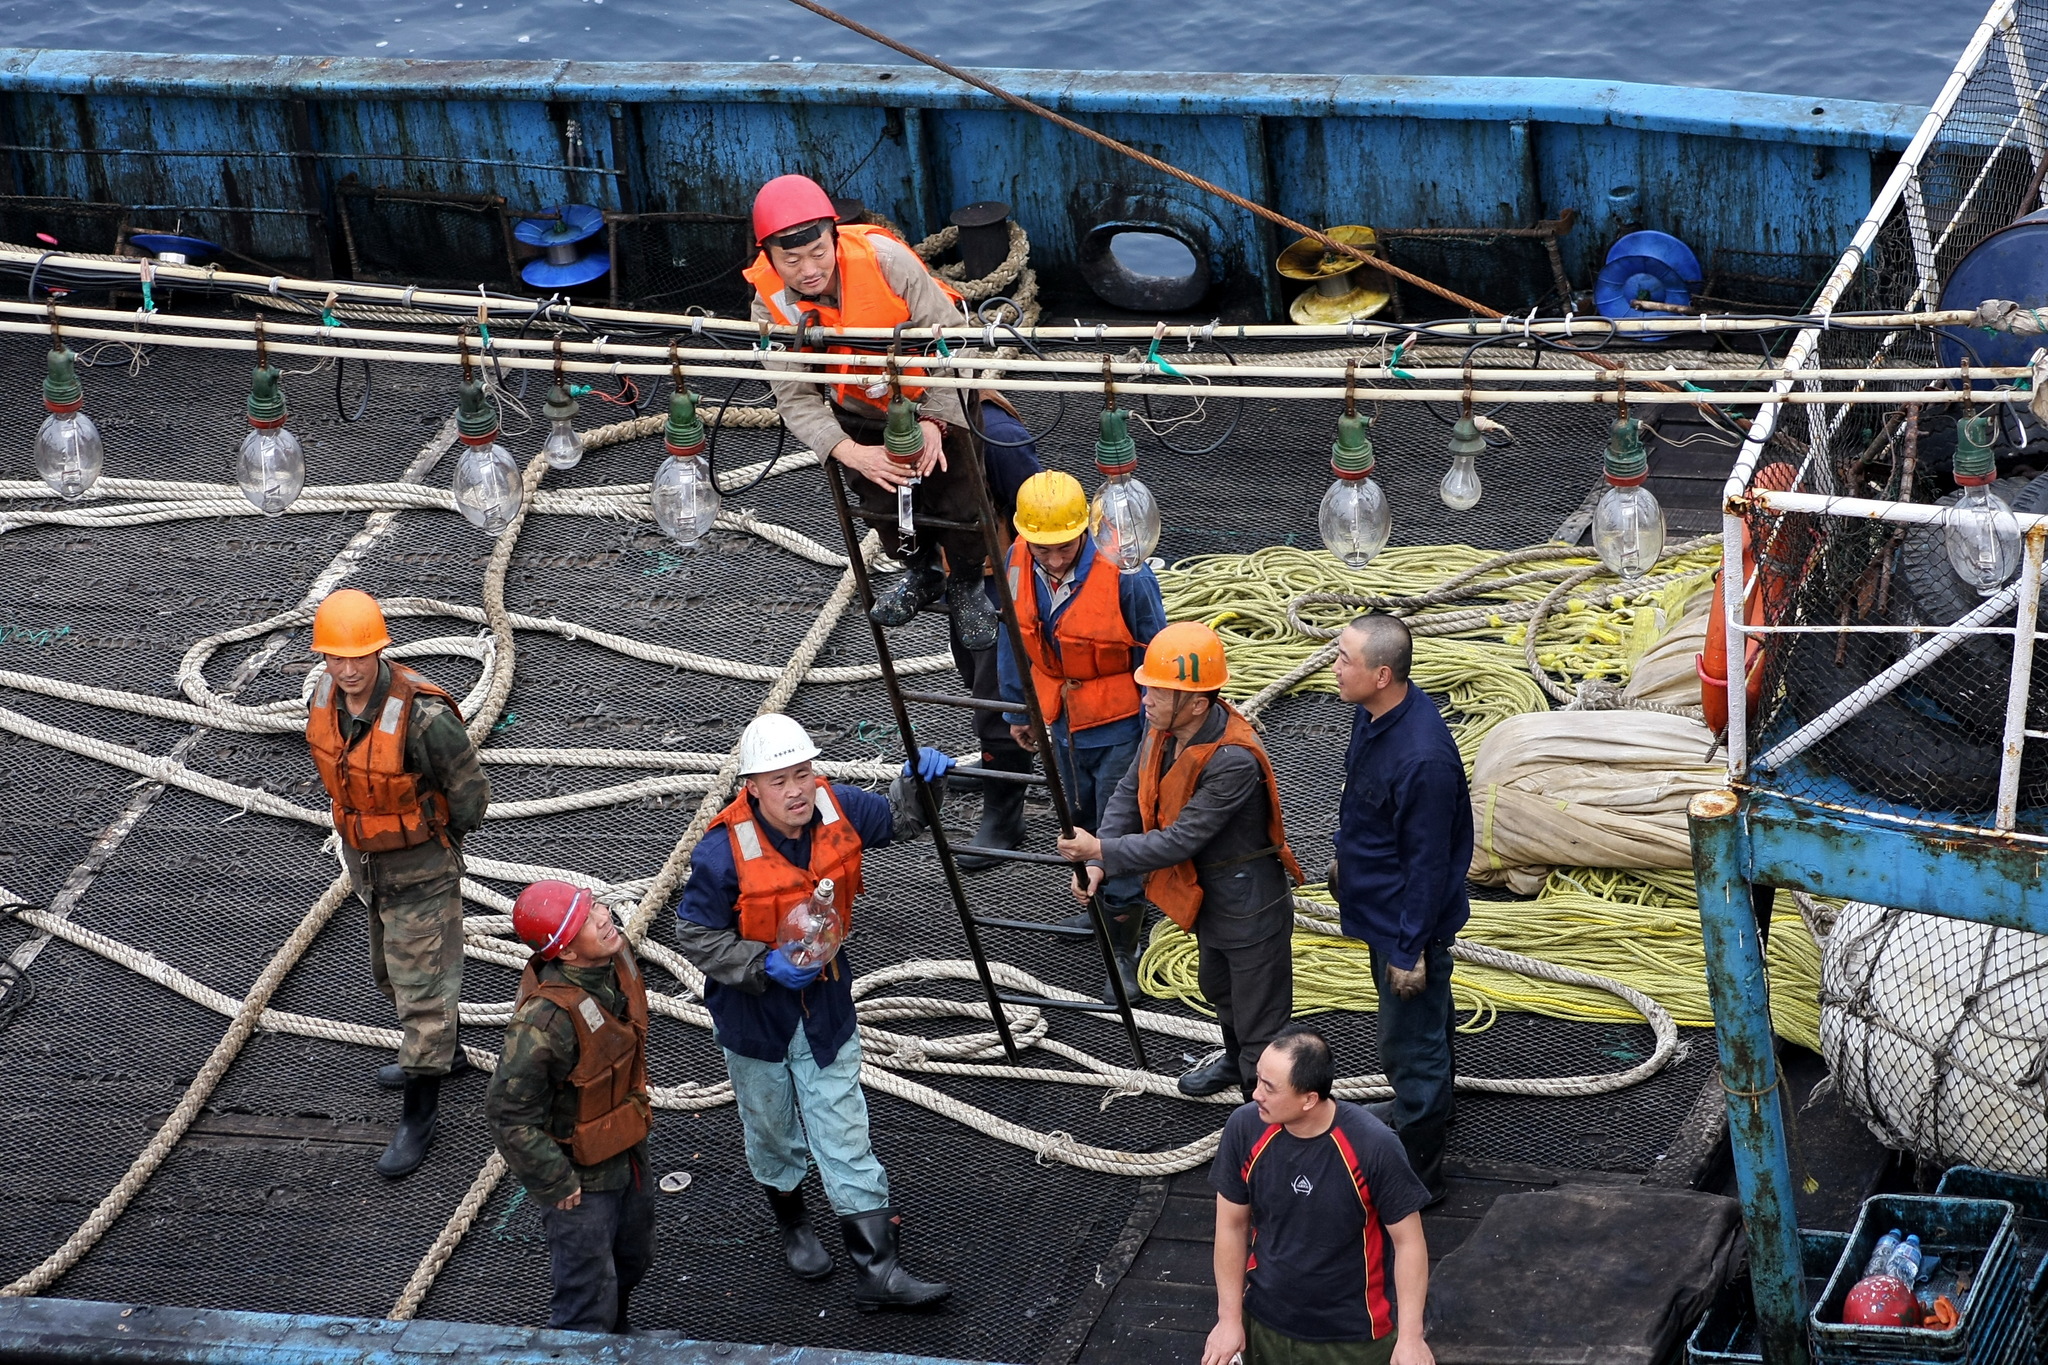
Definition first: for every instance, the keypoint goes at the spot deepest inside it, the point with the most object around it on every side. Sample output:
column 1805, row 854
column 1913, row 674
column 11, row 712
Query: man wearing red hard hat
column 814, row 271
column 569, row 1107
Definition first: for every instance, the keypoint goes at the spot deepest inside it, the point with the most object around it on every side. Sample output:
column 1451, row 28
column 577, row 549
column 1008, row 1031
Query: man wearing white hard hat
column 769, row 901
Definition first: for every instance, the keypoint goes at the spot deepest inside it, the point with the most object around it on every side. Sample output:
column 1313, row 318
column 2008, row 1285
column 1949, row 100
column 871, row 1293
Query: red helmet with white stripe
column 548, row 915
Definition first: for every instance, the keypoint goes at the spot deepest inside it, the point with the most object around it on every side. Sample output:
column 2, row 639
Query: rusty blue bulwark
column 77, row 1330
column 1761, row 840
column 1763, row 184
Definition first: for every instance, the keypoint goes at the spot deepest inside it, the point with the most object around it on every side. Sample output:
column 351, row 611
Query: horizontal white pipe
column 1864, row 509
column 1884, row 684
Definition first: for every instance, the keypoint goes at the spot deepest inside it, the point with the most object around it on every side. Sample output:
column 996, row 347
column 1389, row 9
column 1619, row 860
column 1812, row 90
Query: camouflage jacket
column 532, row 1107
column 437, row 748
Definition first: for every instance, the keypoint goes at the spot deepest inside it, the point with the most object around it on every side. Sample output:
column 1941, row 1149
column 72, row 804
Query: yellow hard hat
column 1052, row 508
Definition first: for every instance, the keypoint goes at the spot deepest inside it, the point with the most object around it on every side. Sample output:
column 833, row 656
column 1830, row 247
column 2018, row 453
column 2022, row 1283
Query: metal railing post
column 2022, row 677
column 1749, row 1072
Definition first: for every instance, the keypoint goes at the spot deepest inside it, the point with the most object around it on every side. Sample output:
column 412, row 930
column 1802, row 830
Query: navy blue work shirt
column 1137, row 594
column 1404, row 831
column 760, row 1026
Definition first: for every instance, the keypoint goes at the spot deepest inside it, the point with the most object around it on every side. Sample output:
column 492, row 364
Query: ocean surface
column 1846, row 49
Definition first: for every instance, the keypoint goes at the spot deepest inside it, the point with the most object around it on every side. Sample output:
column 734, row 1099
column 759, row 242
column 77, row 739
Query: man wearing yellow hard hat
column 1199, row 815
column 406, row 788
column 1085, row 626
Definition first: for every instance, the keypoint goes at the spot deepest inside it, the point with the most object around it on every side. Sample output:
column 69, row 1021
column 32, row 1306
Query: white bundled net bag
column 1936, row 1031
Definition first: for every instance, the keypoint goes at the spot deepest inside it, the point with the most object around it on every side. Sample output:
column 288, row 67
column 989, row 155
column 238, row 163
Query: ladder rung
column 947, row 699
column 992, row 922
column 1014, row 855
column 942, row 524
column 969, row 770
column 1043, row 1002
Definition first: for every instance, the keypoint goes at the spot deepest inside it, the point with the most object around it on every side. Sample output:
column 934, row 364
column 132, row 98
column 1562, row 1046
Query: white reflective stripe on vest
column 326, row 692
column 750, row 839
column 394, row 707
column 828, row 814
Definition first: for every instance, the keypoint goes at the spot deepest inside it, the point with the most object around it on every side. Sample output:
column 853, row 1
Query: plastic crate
column 1727, row 1334
column 1971, row 1235
column 2028, row 1196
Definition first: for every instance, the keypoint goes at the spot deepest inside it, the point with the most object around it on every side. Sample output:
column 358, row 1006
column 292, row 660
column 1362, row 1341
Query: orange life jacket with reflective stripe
column 378, row 806
column 771, row 885
column 1161, row 796
column 1089, row 676
column 613, row 1110
column 865, row 300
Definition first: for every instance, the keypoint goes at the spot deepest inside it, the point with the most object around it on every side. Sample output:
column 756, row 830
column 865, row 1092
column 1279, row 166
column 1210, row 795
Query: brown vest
column 613, row 1111
column 1175, row 890
column 378, row 806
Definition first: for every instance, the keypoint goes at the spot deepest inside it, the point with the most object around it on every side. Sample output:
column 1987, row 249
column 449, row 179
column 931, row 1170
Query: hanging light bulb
column 1461, row 488
column 1354, row 517
column 487, row 485
column 69, row 455
column 1122, row 516
column 685, row 496
column 272, row 465
column 903, row 438
column 1628, row 525
column 564, row 447
column 1982, row 536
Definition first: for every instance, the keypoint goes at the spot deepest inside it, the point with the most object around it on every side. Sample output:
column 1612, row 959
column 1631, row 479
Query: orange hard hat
column 1185, row 657
column 349, row 624
column 548, row 915
column 789, row 201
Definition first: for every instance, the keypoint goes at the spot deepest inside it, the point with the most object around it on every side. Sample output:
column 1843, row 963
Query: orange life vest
column 771, row 885
column 378, row 806
column 613, row 1111
column 865, row 300
column 1768, row 587
column 1090, row 675
column 1175, row 889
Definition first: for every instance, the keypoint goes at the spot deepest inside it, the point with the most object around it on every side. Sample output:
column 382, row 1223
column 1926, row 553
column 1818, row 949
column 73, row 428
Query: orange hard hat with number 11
column 1185, row 657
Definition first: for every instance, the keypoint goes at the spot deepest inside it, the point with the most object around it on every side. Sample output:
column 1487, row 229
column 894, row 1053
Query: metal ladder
column 995, row 537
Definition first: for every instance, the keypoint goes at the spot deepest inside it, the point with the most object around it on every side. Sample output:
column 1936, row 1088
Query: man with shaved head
column 1404, row 842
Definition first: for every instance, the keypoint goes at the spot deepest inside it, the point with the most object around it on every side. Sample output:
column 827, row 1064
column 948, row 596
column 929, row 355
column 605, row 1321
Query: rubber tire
column 1969, row 683
column 1890, row 749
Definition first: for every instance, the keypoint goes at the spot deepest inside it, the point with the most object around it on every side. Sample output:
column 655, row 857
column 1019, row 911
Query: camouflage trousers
column 416, row 958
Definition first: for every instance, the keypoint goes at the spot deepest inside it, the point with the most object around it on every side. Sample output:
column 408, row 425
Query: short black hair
column 1388, row 642
column 1311, row 1068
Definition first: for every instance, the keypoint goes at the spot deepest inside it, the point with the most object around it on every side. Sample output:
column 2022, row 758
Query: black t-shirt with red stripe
column 1321, row 1265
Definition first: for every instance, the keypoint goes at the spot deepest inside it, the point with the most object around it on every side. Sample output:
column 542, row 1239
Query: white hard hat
column 773, row 742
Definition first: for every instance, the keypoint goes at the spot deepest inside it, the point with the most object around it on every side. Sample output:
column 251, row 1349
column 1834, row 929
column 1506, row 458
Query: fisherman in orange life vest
column 815, row 271
column 569, row 1107
column 1199, row 814
column 406, row 789
column 782, row 1007
column 1085, row 626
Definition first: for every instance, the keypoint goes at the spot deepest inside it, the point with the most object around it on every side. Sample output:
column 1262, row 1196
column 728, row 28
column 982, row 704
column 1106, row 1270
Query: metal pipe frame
column 2020, row 683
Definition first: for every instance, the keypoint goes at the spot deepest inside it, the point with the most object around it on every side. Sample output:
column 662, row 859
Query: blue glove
column 931, row 764
column 783, row 972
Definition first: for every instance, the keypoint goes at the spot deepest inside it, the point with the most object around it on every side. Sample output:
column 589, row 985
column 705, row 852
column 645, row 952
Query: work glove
column 783, row 972
column 931, row 764
column 1410, row 983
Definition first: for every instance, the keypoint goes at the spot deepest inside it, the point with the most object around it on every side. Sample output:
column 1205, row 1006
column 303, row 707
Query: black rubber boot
column 1126, row 936
column 807, row 1257
column 1212, row 1077
column 1002, row 812
column 415, row 1133
column 974, row 617
column 884, row 1283
column 391, row 1076
column 920, row 585
column 622, row 1325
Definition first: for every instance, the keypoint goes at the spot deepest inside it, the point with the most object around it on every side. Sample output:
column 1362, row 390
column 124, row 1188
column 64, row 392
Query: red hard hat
column 549, row 914
column 1881, row 1301
column 788, row 201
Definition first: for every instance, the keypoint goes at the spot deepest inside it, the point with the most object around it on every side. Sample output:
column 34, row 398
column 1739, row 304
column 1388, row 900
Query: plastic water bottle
column 1904, row 1262
column 1882, row 1253
column 811, row 932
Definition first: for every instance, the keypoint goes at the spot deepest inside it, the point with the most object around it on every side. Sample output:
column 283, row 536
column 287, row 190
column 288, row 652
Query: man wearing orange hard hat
column 1199, row 814
column 405, row 787
column 569, row 1106
column 814, row 271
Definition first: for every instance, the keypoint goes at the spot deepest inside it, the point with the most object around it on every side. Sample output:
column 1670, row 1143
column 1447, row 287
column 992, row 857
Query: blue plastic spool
column 563, row 264
column 1646, row 265
column 193, row 249
column 2011, row 263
